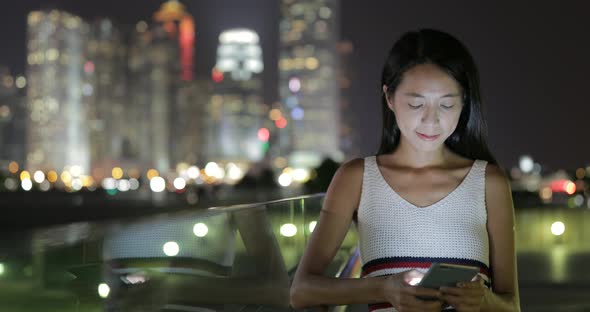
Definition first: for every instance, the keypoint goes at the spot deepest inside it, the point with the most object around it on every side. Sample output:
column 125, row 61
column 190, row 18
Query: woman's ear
column 386, row 95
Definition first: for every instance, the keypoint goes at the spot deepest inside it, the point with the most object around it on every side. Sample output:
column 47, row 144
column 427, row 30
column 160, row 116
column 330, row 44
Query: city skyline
column 548, row 125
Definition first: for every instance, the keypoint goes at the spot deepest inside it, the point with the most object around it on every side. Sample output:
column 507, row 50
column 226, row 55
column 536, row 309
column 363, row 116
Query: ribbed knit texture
column 396, row 235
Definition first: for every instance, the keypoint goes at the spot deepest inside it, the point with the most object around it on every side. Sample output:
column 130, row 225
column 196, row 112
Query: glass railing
column 243, row 258
column 237, row 258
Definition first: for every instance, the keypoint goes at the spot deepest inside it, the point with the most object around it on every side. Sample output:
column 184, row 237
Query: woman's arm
column 311, row 288
column 504, row 296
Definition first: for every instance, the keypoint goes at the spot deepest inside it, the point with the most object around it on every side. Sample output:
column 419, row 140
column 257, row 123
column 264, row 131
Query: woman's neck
column 413, row 158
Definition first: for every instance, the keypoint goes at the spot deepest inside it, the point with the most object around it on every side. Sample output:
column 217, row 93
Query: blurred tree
column 324, row 173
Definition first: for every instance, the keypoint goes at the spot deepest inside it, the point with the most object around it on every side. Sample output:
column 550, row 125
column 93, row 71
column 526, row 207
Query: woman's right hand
column 399, row 292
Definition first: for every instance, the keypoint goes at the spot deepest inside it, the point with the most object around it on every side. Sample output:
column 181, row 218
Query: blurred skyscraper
column 235, row 112
column 154, row 70
column 191, row 95
column 12, row 115
column 57, row 130
column 190, row 121
column 105, row 94
column 308, row 85
column 102, row 96
column 162, row 90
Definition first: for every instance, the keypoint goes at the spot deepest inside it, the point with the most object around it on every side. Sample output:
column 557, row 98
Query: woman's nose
column 430, row 115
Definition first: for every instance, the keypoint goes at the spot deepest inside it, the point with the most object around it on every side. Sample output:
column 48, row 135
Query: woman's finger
column 421, row 292
column 474, row 284
column 455, row 301
column 453, row 291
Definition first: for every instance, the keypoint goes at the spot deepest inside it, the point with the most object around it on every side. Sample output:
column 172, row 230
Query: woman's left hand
column 466, row 297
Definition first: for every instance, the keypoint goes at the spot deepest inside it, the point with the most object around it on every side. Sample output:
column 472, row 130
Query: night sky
column 533, row 58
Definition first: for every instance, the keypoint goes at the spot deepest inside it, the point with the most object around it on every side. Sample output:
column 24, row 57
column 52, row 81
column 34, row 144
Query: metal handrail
column 254, row 205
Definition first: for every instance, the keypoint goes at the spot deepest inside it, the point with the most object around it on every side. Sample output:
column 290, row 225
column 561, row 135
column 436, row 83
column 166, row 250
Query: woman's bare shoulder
column 496, row 179
column 352, row 171
column 344, row 191
column 498, row 192
column 354, row 166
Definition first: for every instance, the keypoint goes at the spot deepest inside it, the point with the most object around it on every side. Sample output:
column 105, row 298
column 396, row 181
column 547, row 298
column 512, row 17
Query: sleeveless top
column 395, row 235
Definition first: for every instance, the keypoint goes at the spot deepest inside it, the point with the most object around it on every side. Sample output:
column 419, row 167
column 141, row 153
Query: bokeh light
column 179, row 183
column 13, row 167
column 157, row 184
column 526, row 163
column 171, row 249
column 152, row 173
column 193, row 172
column 39, row 176
column 557, row 228
column 200, row 229
column 109, row 184
column 123, row 185
column 25, row 175
column 288, row 230
column 580, row 173
column 294, row 85
column 77, row 184
column 27, row 184
column 103, row 290
column 76, row 171
column 117, row 173
column 275, row 114
column 263, row 134
column 570, row 187
column 285, row 179
column 281, row 123
column 133, row 184
column 52, row 176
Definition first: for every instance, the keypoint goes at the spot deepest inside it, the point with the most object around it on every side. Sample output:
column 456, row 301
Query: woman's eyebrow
column 414, row 94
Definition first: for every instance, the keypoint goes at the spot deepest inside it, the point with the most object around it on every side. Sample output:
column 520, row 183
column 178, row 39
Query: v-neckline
column 440, row 201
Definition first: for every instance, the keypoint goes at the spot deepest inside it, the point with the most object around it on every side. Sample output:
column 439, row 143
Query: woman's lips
column 428, row 137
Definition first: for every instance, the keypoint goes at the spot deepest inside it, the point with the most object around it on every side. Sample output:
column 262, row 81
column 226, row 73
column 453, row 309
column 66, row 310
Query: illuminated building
column 153, row 68
column 190, row 96
column 57, row 131
column 104, row 93
column 308, row 85
column 235, row 111
column 161, row 68
column 190, row 122
column 12, row 118
column 178, row 23
column 99, row 98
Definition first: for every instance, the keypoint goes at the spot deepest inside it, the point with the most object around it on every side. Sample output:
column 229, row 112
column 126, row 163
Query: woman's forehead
column 428, row 80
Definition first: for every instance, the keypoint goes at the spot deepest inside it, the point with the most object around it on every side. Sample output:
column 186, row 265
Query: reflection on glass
column 201, row 260
column 221, row 259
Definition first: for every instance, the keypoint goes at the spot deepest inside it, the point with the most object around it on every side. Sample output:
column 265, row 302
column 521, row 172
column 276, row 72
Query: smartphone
column 446, row 274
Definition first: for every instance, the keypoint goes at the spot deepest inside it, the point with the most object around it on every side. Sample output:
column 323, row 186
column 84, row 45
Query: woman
column 434, row 193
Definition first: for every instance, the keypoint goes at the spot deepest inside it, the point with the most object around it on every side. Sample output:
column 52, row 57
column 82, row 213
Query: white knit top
column 395, row 235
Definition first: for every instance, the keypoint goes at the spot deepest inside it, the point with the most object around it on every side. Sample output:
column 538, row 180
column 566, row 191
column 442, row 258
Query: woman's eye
column 415, row 106
column 447, row 106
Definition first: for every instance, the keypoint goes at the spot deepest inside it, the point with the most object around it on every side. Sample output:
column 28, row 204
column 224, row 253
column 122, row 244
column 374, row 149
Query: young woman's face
column 427, row 105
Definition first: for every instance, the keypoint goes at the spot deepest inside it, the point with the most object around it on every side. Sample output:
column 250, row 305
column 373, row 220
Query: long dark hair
column 428, row 46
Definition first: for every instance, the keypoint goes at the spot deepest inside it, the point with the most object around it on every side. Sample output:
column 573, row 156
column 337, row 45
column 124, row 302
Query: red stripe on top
column 396, row 265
